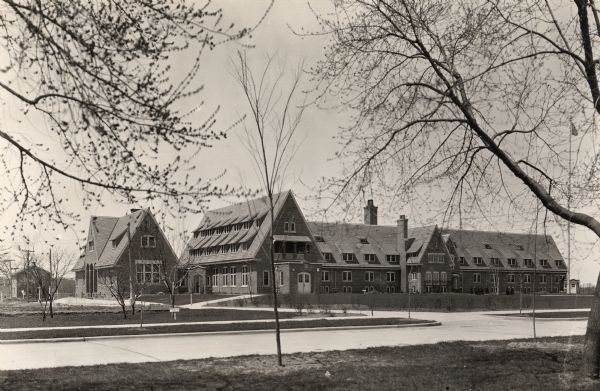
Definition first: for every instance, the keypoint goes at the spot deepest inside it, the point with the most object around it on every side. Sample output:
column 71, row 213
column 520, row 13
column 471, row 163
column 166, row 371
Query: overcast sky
column 316, row 139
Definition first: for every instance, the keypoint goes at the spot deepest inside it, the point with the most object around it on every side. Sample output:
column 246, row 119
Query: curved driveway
column 473, row 326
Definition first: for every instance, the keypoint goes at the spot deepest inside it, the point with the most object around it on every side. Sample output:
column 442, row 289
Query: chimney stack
column 402, row 236
column 370, row 213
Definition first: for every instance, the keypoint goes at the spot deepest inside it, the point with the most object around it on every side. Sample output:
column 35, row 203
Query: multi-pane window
column 495, row 262
column 557, row 279
column 476, row 277
column 462, row 260
column 390, row 276
column 245, row 276
column 325, row 275
column 346, row 275
column 527, row 278
column 369, row 276
column 215, row 277
column 281, row 278
column 233, row 278
column 478, row 260
column 348, row 257
column 428, row 277
column 544, row 263
column 512, row 262
column 559, row 263
column 148, row 241
column 436, row 258
column 543, row 279
column 91, row 245
column 147, row 272
column 370, row 258
column 511, row 278
column 436, row 277
column 392, row 258
column 225, row 276
column 444, row 277
column 413, row 276
column 289, row 226
column 266, row 278
column 328, row 257
column 528, row 262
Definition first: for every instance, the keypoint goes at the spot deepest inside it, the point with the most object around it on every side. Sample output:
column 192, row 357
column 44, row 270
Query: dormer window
column 319, row 238
column 289, row 226
column 559, row 263
column 478, row 261
column 328, row 257
column 512, row 262
column 148, row 241
column 370, row 258
column 364, row 241
column 462, row 260
column 528, row 262
column 495, row 261
column 91, row 245
column 487, row 245
column 348, row 257
column 544, row 263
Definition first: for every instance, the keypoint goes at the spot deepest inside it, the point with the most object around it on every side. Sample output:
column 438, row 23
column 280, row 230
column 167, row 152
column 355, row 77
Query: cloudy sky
column 316, row 139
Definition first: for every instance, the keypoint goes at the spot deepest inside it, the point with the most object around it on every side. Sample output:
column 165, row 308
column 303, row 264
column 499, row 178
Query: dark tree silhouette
column 101, row 78
column 482, row 96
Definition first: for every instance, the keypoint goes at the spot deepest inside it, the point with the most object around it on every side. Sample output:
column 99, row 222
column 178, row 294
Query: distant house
column 25, row 283
column 502, row 262
column 108, row 249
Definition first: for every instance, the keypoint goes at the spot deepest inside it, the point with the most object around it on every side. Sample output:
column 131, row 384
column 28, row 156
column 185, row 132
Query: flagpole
column 569, row 221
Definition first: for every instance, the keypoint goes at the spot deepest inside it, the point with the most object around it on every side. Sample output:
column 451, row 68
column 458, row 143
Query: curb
column 171, row 335
column 538, row 319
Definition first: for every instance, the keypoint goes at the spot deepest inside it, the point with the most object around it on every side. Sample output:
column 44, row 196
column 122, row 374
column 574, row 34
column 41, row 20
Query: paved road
column 474, row 326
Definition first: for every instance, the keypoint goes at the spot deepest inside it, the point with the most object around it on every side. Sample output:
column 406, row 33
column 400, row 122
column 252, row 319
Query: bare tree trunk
column 591, row 351
column 274, row 285
column 51, row 300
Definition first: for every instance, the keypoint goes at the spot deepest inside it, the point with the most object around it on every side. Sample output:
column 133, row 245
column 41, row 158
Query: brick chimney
column 370, row 213
column 402, row 236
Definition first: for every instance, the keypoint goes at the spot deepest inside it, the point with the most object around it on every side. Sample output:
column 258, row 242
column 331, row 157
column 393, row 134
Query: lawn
column 154, row 316
column 551, row 364
column 193, row 328
column 422, row 302
column 181, row 299
column 553, row 315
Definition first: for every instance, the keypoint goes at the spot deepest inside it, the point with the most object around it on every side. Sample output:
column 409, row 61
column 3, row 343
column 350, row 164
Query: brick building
column 105, row 258
column 501, row 262
column 232, row 245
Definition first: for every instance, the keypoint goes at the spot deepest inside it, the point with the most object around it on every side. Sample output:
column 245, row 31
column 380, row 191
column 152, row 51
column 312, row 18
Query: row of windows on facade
column 512, row 278
column 368, row 288
column 227, row 276
column 528, row 262
column 147, row 241
column 222, row 249
column 435, row 277
column 226, row 228
column 369, row 258
column 369, row 276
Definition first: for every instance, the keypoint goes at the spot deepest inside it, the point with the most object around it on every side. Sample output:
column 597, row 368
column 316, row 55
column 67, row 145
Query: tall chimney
column 402, row 235
column 370, row 213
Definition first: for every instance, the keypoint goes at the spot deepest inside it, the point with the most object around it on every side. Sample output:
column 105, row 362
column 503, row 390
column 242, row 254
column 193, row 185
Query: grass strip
column 309, row 323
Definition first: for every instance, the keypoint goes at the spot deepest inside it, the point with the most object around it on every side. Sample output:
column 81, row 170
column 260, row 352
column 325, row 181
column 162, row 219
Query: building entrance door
column 304, row 283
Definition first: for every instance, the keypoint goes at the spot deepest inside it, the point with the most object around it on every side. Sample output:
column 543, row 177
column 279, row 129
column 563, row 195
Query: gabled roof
column 382, row 240
column 237, row 213
column 251, row 210
column 103, row 230
column 504, row 245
